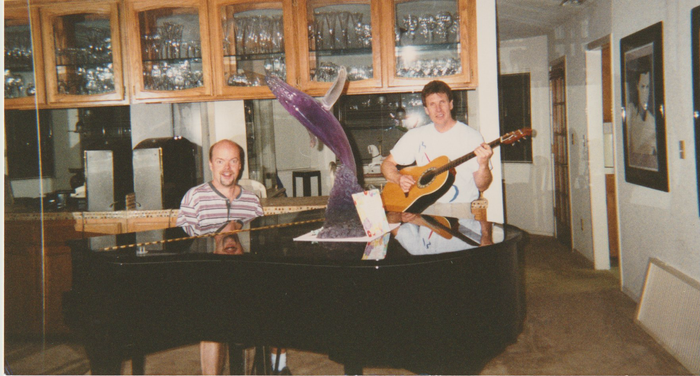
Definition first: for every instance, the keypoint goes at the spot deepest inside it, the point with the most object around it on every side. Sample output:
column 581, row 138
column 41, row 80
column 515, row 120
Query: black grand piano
column 436, row 295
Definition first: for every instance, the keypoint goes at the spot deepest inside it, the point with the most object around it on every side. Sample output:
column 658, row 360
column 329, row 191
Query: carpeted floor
column 578, row 322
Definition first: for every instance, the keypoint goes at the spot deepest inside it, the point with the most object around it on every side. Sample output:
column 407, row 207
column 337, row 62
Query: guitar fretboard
column 462, row 159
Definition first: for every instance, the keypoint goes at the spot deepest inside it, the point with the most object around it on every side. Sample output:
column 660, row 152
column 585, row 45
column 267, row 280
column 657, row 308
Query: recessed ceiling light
column 572, row 2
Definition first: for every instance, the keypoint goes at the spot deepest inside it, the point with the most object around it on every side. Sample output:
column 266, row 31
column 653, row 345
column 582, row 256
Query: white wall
column 66, row 146
column 570, row 40
column 485, row 100
column 665, row 225
column 293, row 151
column 150, row 121
column 226, row 120
column 652, row 223
column 528, row 186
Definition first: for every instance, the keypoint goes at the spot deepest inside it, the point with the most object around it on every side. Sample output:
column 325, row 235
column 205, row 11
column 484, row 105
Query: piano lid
column 419, row 238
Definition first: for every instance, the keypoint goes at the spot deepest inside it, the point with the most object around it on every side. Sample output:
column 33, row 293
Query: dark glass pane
column 514, row 103
column 29, row 143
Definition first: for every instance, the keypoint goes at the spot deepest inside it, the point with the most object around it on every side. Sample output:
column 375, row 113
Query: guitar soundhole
column 427, row 178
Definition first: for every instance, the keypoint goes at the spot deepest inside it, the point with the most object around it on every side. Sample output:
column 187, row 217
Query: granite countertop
column 277, row 205
column 273, row 205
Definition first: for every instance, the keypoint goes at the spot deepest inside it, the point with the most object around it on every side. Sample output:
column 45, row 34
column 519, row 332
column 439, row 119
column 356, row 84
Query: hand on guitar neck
column 413, row 189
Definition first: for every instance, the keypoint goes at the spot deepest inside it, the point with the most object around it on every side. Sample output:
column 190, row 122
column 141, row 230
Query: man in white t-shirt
column 444, row 136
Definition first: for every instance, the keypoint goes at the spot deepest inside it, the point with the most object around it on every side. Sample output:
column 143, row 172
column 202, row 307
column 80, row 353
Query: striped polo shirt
column 205, row 210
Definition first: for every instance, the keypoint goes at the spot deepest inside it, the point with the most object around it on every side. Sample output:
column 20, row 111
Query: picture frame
column 644, row 125
column 695, row 40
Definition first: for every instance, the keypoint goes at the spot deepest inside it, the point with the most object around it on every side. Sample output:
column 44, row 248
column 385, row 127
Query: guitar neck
column 464, row 158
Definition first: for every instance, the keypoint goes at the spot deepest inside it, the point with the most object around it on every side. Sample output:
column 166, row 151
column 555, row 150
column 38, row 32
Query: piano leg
column 138, row 364
column 105, row 365
column 352, row 369
column 236, row 359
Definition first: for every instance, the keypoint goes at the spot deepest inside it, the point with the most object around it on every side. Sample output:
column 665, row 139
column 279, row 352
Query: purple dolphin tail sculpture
column 342, row 220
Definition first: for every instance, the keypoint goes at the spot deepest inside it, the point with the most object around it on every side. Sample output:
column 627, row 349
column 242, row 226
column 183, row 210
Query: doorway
column 601, row 155
column 560, row 152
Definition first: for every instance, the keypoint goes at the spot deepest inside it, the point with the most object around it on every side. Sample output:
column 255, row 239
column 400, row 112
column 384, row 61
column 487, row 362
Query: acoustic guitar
column 434, row 179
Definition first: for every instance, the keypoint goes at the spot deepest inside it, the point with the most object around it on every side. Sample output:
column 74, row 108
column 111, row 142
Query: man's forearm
column 390, row 171
column 483, row 178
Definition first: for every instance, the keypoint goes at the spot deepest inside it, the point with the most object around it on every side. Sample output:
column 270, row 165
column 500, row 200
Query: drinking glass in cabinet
column 253, row 46
column 340, row 35
column 83, row 51
column 19, row 65
column 427, row 39
column 171, row 49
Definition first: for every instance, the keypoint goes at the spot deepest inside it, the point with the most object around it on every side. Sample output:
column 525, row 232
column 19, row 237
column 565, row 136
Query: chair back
column 254, row 186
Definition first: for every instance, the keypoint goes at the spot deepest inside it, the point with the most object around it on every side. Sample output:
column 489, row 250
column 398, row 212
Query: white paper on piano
column 370, row 208
column 312, row 236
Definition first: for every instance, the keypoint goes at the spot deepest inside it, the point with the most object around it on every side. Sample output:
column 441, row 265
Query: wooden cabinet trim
column 47, row 14
column 128, row 66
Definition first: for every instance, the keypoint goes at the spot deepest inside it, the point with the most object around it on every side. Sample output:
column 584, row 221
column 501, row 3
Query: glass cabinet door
column 251, row 44
column 336, row 34
column 21, row 90
column 169, row 49
column 82, row 52
column 433, row 39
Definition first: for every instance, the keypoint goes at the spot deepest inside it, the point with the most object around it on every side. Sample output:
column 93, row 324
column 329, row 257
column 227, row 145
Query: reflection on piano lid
column 269, row 238
column 429, row 235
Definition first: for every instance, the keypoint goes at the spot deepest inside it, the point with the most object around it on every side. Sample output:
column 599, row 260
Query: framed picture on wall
column 644, row 126
column 695, row 27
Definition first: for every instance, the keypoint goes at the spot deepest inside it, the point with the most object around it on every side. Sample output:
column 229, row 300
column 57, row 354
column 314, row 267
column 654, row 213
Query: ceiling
column 529, row 18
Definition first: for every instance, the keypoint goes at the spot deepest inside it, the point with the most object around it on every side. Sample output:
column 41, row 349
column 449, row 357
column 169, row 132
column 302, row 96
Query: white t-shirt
column 421, row 240
column 424, row 144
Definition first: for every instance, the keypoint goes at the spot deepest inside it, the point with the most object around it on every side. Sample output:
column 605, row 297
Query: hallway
column 578, row 322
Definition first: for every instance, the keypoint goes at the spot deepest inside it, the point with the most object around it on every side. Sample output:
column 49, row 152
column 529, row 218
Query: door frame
column 596, row 158
column 569, row 241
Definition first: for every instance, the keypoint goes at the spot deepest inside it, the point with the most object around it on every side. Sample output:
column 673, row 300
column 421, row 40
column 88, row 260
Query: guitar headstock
column 516, row 136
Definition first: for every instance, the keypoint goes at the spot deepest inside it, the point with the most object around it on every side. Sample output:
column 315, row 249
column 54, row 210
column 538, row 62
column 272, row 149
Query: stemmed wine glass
column 277, row 34
column 356, row 28
column 344, row 21
column 410, row 24
column 330, row 25
column 240, row 26
column 252, row 37
column 443, row 22
column 426, row 25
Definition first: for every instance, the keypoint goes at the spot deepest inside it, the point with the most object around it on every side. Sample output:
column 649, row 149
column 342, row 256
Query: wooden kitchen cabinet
column 113, row 52
column 386, row 46
column 253, row 39
column 23, row 88
column 37, row 273
column 169, row 50
column 82, row 53
column 433, row 39
column 138, row 224
column 331, row 34
column 22, row 279
column 38, row 265
column 104, row 226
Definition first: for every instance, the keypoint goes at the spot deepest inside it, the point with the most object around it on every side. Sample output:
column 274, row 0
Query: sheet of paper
column 376, row 249
column 371, row 211
column 312, row 236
